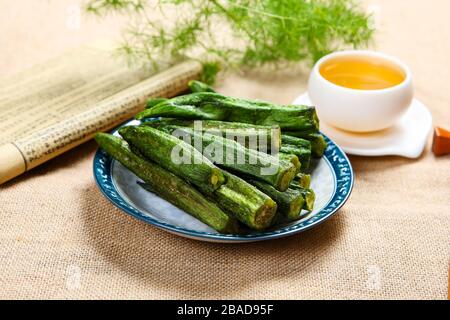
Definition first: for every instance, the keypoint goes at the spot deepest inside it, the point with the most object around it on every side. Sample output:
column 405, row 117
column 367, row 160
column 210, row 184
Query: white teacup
column 355, row 109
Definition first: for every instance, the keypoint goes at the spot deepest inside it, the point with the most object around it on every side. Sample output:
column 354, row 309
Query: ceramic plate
column 332, row 181
column 407, row 138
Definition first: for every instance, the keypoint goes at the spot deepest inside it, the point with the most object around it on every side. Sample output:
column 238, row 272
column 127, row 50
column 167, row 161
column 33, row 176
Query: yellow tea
column 363, row 73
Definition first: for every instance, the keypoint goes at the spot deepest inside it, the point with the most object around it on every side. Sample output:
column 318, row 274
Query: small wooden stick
column 441, row 142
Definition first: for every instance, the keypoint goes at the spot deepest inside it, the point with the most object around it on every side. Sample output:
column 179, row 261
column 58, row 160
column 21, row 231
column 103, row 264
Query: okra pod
column 298, row 146
column 168, row 186
column 229, row 154
column 308, row 195
column 198, row 86
column 304, row 155
column 213, row 106
column 318, row 143
column 153, row 102
column 295, row 141
column 174, row 155
column 245, row 202
column 303, row 180
column 292, row 158
column 289, row 202
column 261, row 138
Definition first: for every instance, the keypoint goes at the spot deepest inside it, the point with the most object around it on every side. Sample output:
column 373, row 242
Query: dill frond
column 238, row 33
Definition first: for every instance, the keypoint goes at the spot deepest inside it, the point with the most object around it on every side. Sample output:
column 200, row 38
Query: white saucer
column 407, row 138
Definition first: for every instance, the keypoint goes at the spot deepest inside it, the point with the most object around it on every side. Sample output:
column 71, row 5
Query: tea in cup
column 360, row 91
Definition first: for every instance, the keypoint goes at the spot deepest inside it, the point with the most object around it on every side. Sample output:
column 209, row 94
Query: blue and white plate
column 332, row 181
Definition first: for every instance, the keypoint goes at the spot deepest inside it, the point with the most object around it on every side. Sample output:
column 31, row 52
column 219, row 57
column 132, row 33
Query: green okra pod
column 154, row 101
column 318, row 143
column 174, row 155
column 303, row 180
column 298, row 146
column 242, row 200
column 304, row 155
column 308, row 195
column 213, row 106
column 229, row 154
column 292, row 158
column 261, row 138
column 295, row 141
column 245, row 202
column 198, row 86
column 168, row 186
column 289, row 202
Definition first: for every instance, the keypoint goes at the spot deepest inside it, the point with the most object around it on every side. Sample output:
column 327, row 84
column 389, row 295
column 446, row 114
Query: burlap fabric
column 59, row 237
